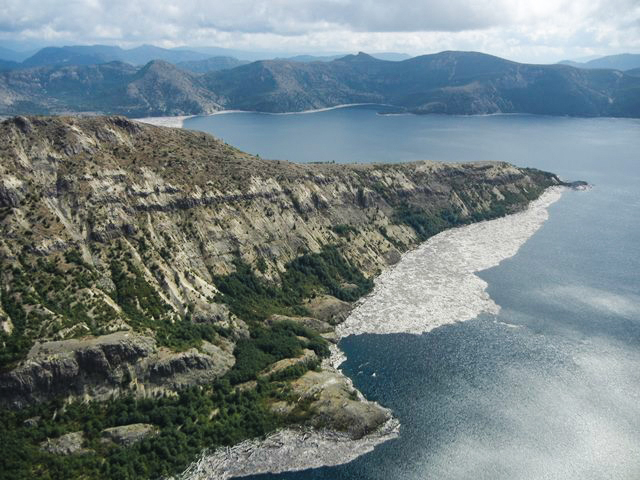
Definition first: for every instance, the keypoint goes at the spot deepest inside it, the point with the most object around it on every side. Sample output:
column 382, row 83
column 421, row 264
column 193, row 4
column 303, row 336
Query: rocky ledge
column 74, row 443
column 103, row 367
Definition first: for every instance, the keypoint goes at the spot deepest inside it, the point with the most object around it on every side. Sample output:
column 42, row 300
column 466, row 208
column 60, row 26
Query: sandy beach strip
column 174, row 122
column 178, row 121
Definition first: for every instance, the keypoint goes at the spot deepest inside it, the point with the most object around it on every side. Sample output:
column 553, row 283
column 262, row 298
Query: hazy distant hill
column 311, row 58
column 329, row 58
column 211, row 64
column 97, row 54
column 235, row 53
column 7, row 64
column 6, row 54
column 76, row 55
column 448, row 82
column 391, row 56
column 158, row 88
column 13, row 56
column 267, row 55
column 624, row 61
column 146, row 53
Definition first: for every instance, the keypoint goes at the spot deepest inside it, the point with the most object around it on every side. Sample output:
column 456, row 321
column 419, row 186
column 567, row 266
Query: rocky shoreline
column 287, row 450
column 295, row 449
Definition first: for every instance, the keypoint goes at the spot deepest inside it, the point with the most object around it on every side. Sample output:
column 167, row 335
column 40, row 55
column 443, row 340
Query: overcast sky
column 524, row 30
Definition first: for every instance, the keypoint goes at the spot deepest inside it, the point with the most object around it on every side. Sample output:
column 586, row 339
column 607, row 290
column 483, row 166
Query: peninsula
column 164, row 293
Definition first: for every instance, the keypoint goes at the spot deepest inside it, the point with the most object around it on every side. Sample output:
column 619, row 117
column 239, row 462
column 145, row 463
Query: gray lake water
column 549, row 388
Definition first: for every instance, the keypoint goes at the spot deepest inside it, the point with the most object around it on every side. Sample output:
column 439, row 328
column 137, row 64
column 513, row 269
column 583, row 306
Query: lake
column 550, row 387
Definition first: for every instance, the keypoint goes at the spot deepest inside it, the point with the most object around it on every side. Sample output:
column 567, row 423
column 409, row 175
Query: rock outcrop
column 308, row 357
column 128, row 434
column 125, row 435
column 68, row 444
column 334, row 404
column 106, row 366
column 329, row 309
column 313, row 323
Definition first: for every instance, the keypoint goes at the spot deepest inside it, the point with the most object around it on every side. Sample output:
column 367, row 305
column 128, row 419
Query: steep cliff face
column 108, row 225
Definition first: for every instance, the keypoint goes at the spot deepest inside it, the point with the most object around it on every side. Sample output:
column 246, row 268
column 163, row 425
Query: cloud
column 520, row 28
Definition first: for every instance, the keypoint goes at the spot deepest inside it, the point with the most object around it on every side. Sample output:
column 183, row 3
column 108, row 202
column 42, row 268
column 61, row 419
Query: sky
column 536, row 31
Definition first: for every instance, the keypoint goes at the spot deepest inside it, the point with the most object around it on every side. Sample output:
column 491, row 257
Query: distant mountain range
column 212, row 58
column 624, row 61
column 447, row 82
column 100, row 54
column 14, row 56
column 96, row 54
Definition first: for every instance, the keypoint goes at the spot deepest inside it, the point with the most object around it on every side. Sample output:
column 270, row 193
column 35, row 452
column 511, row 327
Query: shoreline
column 287, row 450
column 315, row 110
column 458, row 294
column 178, row 121
column 173, row 122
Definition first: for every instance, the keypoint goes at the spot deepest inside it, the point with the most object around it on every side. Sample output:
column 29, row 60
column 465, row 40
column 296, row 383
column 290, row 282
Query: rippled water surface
column 548, row 388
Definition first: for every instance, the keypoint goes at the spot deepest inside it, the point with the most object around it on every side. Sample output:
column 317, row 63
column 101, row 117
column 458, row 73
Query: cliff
column 144, row 262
